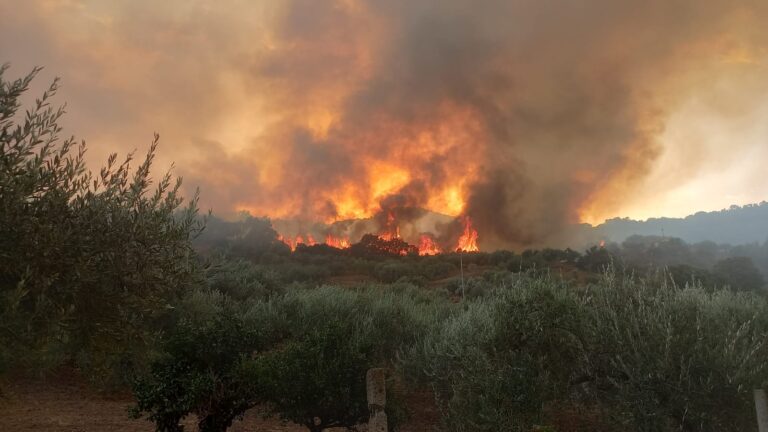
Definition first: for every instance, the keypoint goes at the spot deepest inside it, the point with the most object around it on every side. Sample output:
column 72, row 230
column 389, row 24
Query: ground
column 66, row 403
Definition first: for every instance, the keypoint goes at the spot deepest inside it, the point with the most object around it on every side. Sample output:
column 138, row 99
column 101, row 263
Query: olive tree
column 88, row 261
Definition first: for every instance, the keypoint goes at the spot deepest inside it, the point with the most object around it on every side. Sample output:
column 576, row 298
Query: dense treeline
column 100, row 272
column 736, row 225
column 740, row 267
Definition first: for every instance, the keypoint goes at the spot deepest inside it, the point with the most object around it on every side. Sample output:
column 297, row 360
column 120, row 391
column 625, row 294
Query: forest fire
column 428, row 246
column 468, row 239
column 391, row 229
column 330, row 240
column 337, row 242
column 389, row 239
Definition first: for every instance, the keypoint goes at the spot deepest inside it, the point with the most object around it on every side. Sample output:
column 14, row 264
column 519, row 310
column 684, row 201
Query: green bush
column 318, row 379
column 648, row 355
column 495, row 365
column 678, row 359
column 242, row 280
column 739, row 273
column 304, row 354
column 205, row 370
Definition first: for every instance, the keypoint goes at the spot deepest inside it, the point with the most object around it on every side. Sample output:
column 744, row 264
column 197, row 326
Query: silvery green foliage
column 678, row 359
column 494, row 365
column 88, row 261
column 648, row 355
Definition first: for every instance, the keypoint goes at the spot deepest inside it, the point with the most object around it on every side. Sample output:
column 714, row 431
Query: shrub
column 494, row 366
column 318, row 379
column 241, row 280
column 645, row 353
column 304, row 354
column 739, row 273
column 205, row 370
column 678, row 359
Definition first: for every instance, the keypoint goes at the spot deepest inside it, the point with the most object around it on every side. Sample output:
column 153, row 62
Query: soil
column 66, row 403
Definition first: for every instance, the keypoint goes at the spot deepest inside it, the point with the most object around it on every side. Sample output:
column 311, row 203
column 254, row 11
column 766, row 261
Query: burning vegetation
column 388, row 238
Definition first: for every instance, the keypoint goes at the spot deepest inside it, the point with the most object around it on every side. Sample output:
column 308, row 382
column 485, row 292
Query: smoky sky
column 526, row 115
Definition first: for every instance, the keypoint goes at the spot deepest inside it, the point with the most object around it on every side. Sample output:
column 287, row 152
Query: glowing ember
column 427, row 245
column 468, row 240
column 337, row 242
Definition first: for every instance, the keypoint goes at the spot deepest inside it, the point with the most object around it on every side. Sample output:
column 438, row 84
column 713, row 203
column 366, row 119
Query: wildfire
column 391, row 230
column 291, row 244
column 427, row 245
column 468, row 240
column 309, row 240
column 389, row 235
column 389, row 238
column 337, row 242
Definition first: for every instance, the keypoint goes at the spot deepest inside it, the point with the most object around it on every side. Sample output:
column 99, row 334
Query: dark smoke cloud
column 540, row 112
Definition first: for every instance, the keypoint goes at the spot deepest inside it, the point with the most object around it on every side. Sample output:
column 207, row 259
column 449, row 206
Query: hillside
column 735, row 225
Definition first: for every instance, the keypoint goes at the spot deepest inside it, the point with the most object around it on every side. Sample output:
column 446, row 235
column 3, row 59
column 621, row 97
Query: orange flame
column 468, row 240
column 388, row 235
column 391, row 230
column 287, row 241
column 337, row 242
column 427, row 245
column 297, row 241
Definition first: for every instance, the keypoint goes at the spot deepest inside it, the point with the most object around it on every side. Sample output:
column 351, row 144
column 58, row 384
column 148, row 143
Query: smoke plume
column 525, row 115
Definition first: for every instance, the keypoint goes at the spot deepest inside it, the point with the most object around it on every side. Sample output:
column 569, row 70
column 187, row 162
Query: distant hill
column 735, row 225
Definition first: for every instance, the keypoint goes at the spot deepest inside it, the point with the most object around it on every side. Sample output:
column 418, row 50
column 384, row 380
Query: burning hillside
column 458, row 235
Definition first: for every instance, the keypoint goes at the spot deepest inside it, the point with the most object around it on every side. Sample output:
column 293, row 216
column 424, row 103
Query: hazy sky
column 536, row 110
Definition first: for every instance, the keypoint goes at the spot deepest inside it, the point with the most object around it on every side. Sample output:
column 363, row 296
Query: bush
column 242, row 280
column 739, row 273
column 494, row 366
column 678, row 359
column 205, row 370
column 646, row 354
column 304, row 354
column 318, row 380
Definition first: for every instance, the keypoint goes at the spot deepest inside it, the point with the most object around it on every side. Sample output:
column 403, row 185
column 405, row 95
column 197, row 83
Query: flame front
column 468, row 240
column 425, row 243
column 428, row 246
column 337, row 242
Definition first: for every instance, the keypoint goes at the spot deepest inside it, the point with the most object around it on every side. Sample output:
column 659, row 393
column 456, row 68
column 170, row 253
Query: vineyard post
column 761, row 406
column 377, row 399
